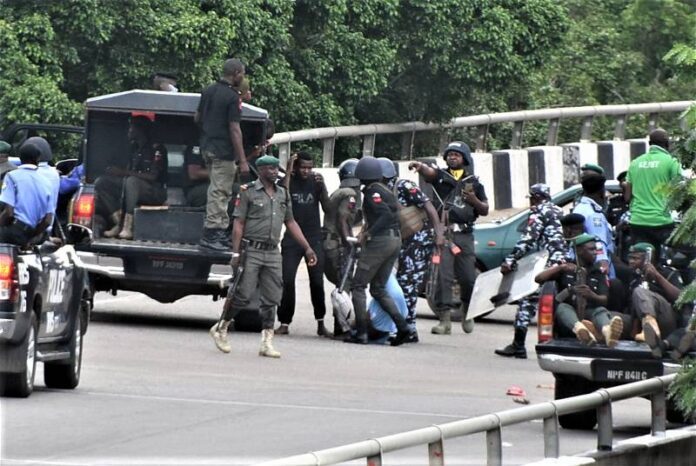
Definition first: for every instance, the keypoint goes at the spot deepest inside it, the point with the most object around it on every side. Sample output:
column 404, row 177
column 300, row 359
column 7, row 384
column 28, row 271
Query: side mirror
column 76, row 234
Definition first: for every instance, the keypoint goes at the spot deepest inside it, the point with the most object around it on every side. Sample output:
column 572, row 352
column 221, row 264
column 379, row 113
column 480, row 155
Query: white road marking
column 275, row 405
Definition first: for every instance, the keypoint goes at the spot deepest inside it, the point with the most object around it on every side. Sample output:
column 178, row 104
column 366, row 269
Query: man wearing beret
column 5, row 164
column 654, row 290
column 651, row 220
column 543, row 231
column 594, row 292
column 261, row 209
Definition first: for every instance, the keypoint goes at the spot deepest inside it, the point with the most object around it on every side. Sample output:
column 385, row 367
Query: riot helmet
column 368, row 169
column 388, row 168
column 346, row 173
column 462, row 148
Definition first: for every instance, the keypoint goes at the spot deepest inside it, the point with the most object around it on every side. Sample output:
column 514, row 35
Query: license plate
column 625, row 371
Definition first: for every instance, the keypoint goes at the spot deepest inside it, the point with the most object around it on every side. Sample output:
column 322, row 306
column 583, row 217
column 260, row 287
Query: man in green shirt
column 651, row 221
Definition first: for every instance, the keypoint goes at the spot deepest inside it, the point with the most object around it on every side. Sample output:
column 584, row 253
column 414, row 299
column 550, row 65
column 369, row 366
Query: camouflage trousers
column 526, row 311
column 413, row 262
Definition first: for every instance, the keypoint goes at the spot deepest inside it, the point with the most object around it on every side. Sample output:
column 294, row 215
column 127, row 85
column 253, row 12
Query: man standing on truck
column 262, row 208
column 543, row 231
column 143, row 182
column 651, row 221
column 26, row 200
column 218, row 116
column 462, row 198
column 583, row 294
column 50, row 174
column 308, row 191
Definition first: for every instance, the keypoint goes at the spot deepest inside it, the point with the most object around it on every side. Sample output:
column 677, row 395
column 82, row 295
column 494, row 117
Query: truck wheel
column 66, row 374
column 248, row 320
column 21, row 384
column 568, row 386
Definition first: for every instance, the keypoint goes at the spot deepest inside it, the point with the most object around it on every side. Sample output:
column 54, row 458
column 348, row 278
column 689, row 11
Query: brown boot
column 652, row 322
column 583, row 334
column 127, row 230
column 612, row 331
column 590, row 326
column 113, row 231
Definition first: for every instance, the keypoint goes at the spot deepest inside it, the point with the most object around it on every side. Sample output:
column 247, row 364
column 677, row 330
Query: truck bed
column 119, row 247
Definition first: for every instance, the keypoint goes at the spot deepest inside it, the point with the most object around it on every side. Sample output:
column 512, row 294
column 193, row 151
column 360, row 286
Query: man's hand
column 604, row 266
column 414, row 165
column 584, row 290
column 234, row 262
column 318, row 178
column 244, row 166
column 506, row 268
column 650, row 271
column 469, row 197
column 311, row 257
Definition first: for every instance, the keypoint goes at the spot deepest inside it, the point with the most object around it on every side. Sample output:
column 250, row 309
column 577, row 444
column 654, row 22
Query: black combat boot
column 213, row 238
column 516, row 348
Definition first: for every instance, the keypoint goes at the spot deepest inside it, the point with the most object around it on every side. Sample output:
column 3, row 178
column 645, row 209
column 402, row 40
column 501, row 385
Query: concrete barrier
column 510, row 178
column 614, row 157
column 575, row 155
column 546, row 166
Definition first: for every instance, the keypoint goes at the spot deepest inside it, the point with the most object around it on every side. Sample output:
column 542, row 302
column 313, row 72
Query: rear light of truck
column 83, row 210
column 8, row 284
column 545, row 319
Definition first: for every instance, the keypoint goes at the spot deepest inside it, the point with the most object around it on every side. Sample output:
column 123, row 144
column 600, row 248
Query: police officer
column 5, row 164
column 262, row 208
column 416, row 250
column 26, row 200
column 308, row 192
column 653, row 290
column 463, row 199
column 543, row 231
column 49, row 173
column 594, row 292
column 342, row 214
column 143, row 182
column 381, row 240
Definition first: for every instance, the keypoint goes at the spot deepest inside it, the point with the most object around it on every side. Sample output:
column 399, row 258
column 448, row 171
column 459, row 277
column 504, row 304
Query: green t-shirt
column 648, row 175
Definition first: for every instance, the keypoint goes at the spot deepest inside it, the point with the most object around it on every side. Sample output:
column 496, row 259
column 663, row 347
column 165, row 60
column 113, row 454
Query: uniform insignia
column 597, row 221
column 352, row 201
column 376, row 198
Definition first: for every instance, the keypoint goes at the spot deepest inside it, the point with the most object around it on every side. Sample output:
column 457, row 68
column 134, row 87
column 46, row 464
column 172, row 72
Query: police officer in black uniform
column 464, row 199
column 381, row 240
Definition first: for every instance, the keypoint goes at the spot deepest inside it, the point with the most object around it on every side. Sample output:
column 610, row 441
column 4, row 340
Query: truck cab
column 163, row 259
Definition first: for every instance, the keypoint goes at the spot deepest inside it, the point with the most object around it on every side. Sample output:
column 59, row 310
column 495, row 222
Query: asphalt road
column 155, row 390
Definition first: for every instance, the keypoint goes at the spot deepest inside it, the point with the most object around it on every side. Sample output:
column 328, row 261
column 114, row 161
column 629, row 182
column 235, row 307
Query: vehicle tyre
column 568, row 386
column 248, row 320
column 66, row 374
column 21, row 384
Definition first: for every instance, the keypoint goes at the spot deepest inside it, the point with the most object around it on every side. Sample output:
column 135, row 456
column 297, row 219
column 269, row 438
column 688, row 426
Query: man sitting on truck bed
column 143, row 182
column 591, row 295
column 26, row 212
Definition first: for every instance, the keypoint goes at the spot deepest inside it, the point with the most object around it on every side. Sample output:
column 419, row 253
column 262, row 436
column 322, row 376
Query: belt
column 261, row 245
column 23, row 226
column 461, row 228
column 394, row 233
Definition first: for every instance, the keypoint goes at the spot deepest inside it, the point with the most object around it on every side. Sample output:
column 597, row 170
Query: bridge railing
column 482, row 123
column 492, row 424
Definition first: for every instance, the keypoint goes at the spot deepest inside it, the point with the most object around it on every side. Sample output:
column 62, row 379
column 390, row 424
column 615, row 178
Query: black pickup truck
column 163, row 259
column 44, row 312
column 580, row 369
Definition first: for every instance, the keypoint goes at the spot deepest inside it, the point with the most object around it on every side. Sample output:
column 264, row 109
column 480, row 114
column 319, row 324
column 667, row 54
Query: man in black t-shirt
column 307, row 190
column 218, row 115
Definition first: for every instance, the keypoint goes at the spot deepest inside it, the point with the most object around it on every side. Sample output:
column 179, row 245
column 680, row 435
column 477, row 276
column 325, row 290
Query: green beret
column 4, row 147
column 641, row 247
column 267, row 160
column 593, row 168
column 583, row 238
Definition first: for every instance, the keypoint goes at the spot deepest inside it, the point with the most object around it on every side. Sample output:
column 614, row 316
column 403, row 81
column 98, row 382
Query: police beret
column 267, row 160
column 593, row 168
column 641, row 247
column 572, row 219
column 583, row 239
column 4, row 147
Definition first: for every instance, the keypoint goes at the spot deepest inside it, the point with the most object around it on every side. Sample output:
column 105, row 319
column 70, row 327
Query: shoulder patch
column 376, row 198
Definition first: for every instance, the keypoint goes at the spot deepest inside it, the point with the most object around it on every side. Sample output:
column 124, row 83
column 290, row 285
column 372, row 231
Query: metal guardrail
column 481, row 123
column 372, row 450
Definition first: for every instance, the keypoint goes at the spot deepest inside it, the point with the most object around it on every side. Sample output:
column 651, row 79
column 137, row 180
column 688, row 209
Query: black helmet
column 462, row 148
column 388, row 168
column 368, row 169
column 346, row 173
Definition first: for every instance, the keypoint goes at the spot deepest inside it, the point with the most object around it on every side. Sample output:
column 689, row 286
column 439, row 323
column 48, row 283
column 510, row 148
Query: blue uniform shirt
column 33, row 201
column 596, row 224
column 52, row 178
column 70, row 183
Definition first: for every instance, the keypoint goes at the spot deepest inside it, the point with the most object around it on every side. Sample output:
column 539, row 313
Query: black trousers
column 16, row 233
column 657, row 236
column 292, row 256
